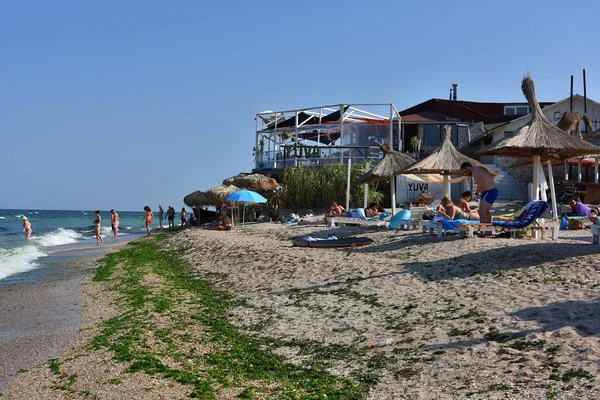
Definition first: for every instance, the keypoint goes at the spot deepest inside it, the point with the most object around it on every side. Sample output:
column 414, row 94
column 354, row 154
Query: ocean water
column 54, row 232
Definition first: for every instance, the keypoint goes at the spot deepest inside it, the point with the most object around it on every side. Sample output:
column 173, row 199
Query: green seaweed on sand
column 175, row 326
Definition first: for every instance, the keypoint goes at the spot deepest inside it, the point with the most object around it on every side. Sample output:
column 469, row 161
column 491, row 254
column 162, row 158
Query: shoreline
column 42, row 308
column 477, row 318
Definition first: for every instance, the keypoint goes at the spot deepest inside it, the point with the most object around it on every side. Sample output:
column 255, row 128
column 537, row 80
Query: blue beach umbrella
column 247, row 196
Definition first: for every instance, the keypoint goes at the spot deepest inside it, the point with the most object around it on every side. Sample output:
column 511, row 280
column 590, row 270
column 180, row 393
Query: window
column 434, row 135
column 516, row 110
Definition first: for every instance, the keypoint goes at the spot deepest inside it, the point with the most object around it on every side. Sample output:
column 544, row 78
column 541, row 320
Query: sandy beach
column 469, row 318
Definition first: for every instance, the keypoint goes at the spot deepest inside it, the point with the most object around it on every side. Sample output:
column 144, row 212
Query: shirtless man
column 114, row 222
column 486, row 186
column 225, row 224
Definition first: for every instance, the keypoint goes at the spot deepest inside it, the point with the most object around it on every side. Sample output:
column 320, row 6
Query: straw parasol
column 392, row 162
column 568, row 121
column 445, row 161
column 542, row 141
column 196, row 198
column 219, row 194
column 539, row 137
column 255, row 182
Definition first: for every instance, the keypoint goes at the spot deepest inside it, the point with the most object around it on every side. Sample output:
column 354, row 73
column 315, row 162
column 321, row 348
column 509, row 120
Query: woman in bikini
column 463, row 204
column 27, row 228
column 148, row 218
column 97, row 222
column 453, row 212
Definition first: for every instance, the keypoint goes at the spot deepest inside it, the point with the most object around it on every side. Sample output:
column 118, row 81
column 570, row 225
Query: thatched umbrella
column 254, row 182
column 196, row 198
column 568, row 121
column 542, row 141
column 391, row 163
column 445, row 161
column 219, row 194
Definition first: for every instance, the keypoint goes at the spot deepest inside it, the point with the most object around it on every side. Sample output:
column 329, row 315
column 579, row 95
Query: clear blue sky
column 118, row 104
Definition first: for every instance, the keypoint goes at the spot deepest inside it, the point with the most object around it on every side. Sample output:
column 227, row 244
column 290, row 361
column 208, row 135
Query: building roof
column 438, row 110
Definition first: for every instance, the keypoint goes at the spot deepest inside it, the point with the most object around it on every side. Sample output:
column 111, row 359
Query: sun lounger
column 378, row 220
column 415, row 220
column 530, row 220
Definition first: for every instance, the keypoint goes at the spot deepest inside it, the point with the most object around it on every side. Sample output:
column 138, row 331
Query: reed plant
column 304, row 187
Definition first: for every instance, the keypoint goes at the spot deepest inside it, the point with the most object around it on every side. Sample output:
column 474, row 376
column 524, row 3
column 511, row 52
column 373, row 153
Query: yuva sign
column 302, row 151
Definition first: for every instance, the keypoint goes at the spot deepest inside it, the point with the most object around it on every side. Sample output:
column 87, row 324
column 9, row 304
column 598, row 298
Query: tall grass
column 304, row 187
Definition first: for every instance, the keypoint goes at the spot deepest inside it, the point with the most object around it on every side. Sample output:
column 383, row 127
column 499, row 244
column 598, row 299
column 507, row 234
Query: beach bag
column 575, row 224
column 564, row 223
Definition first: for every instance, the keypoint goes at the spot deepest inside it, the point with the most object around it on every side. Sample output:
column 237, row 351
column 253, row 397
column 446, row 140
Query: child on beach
column 114, row 222
column 148, row 218
column 27, row 228
column 97, row 222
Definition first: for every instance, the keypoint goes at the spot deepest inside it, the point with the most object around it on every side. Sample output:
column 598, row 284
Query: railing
column 313, row 156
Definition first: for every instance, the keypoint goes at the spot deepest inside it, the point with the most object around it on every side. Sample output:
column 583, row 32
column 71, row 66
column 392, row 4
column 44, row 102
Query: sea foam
column 14, row 261
column 59, row 237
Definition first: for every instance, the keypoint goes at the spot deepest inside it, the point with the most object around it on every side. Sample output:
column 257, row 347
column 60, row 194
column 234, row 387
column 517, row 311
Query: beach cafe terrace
column 324, row 135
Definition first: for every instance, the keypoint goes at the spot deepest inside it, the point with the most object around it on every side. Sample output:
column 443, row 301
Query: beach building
column 333, row 134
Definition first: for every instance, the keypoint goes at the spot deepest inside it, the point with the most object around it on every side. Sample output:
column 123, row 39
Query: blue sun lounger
column 528, row 220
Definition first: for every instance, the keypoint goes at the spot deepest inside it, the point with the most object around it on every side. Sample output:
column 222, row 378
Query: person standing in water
column 161, row 214
column 27, row 228
column 97, row 222
column 114, row 222
column 148, row 218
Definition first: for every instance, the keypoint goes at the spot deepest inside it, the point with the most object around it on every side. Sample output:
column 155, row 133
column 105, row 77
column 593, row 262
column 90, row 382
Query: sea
column 57, row 235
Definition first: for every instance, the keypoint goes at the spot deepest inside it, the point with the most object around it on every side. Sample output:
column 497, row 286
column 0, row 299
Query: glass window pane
column 522, row 110
column 431, row 135
column 509, row 111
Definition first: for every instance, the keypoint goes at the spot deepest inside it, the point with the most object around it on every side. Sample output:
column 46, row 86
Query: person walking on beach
column 486, row 186
column 27, row 228
column 183, row 218
column 171, row 216
column 148, row 218
column 114, row 222
column 97, row 222
column 161, row 214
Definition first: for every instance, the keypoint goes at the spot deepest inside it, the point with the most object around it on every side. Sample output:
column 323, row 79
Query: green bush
column 304, row 187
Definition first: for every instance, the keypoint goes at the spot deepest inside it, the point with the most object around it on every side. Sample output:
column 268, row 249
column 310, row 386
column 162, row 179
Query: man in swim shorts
column 486, row 186
column 114, row 222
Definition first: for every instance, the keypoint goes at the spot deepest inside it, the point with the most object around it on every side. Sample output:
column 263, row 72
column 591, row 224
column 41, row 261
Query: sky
column 119, row 104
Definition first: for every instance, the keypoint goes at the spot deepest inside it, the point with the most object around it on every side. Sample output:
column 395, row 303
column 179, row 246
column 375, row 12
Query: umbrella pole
column 244, row 218
column 348, row 184
column 536, row 192
column 596, row 170
column 366, row 199
column 447, row 190
column 579, row 170
column 566, row 170
column 393, row 190
column 552, row 191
